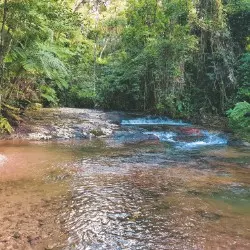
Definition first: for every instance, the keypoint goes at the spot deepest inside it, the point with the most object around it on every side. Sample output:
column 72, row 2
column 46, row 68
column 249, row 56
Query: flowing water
column 155, row 184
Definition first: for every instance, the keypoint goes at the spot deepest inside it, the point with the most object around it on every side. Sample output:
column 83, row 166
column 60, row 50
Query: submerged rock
column 246, row 144
column 209, row 215
column 191, row 131
column 134, row 137
column 237, row 142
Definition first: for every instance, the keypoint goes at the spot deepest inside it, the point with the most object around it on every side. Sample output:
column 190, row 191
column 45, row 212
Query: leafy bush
column 239, row 115
column 81, row 98
column 48, row 95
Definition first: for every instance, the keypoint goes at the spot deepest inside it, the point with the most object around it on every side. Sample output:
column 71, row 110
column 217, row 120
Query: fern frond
column 41, row 59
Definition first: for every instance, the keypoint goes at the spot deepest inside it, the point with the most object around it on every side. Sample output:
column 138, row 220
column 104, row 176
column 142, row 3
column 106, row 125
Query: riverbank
column 48, row 124
column 65, row 123
column 59, row 124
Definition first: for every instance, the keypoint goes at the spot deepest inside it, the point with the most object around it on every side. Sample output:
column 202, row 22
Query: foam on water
column 208, row 139
column 154, row 121
column 163, row 136
column 179, row 138
column 211, row 139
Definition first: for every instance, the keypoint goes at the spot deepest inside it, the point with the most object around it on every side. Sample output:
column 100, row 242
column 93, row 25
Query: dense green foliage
column 43, row 53
column 178, row 57
column 238, row 115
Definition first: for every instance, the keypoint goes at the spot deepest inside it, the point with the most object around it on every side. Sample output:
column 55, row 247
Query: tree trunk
column 2, row 42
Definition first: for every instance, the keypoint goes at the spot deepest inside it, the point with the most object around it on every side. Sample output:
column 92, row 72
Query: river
column 155, row 183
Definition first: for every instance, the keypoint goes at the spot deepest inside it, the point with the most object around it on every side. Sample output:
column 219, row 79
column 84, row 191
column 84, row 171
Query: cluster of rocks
column 66, row 123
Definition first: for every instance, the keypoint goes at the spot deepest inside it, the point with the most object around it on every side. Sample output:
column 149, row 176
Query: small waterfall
column 181, row 135
column 154, row 121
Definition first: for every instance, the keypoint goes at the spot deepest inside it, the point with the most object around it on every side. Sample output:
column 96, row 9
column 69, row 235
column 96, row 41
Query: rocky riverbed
column 66, row 123
column 31, row 187
column 154, row 180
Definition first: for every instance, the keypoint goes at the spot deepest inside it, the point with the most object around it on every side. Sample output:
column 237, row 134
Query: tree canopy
column 177, row 57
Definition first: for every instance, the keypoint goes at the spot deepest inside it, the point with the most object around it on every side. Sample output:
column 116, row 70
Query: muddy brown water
column 100, row 194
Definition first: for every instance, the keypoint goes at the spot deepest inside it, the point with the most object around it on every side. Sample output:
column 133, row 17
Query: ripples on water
column 113, row 210
column 207, row 139
column 145, row 202
column 137, row 192
column 156, row 196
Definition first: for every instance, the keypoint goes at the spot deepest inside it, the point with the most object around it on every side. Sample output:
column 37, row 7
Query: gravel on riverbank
column 66, row 123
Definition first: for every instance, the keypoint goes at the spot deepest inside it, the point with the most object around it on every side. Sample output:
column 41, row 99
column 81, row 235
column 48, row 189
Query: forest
column 124, row 124
column 181, row 58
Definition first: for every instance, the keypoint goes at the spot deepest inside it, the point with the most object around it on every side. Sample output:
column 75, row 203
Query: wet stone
column 65, row 124
column 209, row 215
column 162, row 206
column 16, row 235
column 134, row 137
column 33, row 239
column 195, row 192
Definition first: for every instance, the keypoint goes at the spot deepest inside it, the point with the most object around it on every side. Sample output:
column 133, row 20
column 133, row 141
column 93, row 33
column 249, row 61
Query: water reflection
column 147, row 194
column 121, row 214
column 153, row 197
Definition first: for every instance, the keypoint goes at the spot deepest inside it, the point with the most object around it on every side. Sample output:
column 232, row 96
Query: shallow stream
column 155, row 184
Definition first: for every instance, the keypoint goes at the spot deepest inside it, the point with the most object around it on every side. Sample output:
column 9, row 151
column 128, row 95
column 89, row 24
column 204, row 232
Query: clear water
column 148, row 196
column 185, row 139
column 172, row 191
column 135, row 192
